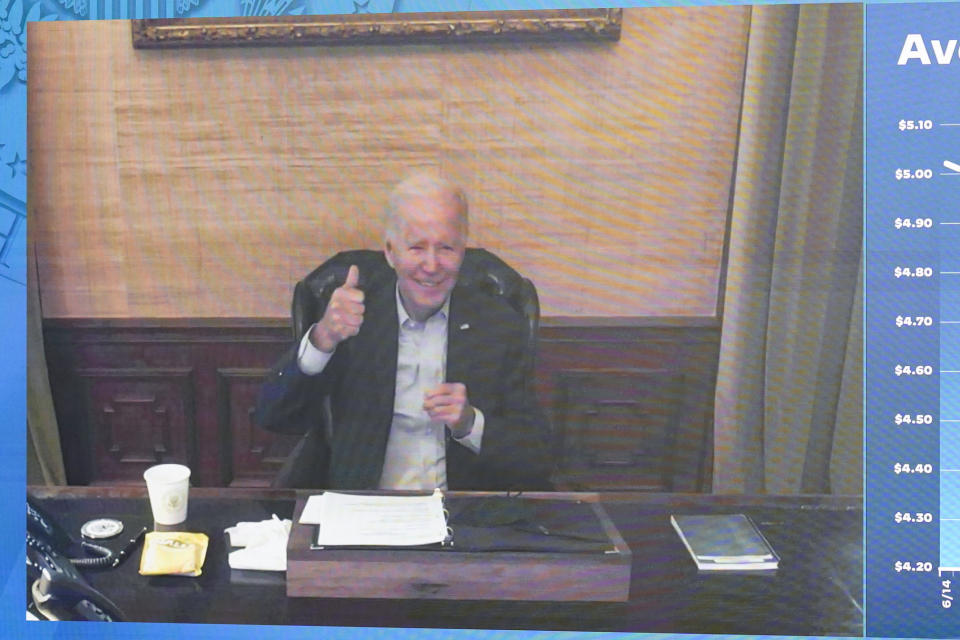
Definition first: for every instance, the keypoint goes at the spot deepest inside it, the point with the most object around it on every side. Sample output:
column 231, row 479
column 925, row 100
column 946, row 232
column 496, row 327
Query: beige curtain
column 788, row 401
column 44, row 459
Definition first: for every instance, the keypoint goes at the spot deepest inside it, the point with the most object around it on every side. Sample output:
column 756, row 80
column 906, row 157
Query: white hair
column 424, row 185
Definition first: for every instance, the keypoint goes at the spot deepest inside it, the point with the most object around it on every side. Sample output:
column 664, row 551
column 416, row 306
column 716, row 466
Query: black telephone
column 55, row 588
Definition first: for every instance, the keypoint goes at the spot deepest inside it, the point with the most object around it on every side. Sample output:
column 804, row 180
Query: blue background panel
column 899, row 605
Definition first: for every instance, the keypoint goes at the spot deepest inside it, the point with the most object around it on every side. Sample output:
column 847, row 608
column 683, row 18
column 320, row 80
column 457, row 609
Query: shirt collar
column 403, row 316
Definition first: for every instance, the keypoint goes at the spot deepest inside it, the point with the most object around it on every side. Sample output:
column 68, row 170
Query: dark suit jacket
column 485, row 340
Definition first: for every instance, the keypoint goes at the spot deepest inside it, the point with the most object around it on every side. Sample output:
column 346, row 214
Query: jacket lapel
column 380, row 348
column 460, row 337
column 369, row 392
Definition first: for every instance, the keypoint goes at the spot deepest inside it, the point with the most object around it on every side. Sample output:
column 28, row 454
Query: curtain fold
column 44, row 457
column 787, row 405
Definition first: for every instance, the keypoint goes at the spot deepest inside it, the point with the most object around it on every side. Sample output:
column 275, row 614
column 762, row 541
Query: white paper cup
column 168, row 486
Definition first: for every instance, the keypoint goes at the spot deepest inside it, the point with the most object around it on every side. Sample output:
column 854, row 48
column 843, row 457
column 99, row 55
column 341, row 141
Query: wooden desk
column 816, row 591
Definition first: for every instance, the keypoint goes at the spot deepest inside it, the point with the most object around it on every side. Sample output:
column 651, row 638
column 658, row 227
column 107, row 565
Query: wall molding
column 379, row 29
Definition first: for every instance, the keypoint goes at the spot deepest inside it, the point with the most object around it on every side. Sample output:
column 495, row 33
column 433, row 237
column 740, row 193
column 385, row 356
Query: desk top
column 816, row 591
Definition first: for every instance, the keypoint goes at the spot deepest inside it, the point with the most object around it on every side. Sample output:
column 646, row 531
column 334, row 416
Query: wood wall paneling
column 616, row 428
column 225, row 360
column 605, row 365
column 631, row 406
column 251, row 455
column 138, row 417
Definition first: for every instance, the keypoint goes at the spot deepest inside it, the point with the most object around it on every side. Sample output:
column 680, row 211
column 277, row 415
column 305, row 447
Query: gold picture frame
column 398, row 28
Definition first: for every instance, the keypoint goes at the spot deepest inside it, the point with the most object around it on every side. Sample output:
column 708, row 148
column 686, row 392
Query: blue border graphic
column 15, row 14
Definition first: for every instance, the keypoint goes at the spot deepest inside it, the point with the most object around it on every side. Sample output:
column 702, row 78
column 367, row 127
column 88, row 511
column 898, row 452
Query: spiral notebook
column 730, row 542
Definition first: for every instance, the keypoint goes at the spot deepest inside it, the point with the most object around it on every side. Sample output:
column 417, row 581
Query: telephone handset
column 54, row 585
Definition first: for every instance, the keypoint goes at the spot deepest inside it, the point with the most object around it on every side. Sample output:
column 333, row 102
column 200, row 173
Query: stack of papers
column 384, row 521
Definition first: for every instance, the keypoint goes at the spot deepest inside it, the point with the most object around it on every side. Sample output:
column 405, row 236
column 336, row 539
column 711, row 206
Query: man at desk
column 424, row 377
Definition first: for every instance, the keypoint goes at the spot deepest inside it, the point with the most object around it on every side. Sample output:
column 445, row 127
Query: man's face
column 426, row 253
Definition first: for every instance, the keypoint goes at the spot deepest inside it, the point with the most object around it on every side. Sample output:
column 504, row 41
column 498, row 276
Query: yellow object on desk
column 173, row 553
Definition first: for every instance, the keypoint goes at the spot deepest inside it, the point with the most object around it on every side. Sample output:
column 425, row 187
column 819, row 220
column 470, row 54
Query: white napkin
column 264, row 544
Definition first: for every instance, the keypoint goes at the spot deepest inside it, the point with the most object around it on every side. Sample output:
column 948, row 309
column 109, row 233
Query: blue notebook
column 725, row 542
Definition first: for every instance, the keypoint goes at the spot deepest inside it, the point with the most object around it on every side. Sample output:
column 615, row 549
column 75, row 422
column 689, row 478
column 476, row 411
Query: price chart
column 913, row 320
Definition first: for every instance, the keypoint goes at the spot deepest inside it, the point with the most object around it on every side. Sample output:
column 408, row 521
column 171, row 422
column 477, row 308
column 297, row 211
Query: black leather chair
column 480, row 269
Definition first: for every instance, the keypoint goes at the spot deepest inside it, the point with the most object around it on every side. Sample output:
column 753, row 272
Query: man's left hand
column 448, row 403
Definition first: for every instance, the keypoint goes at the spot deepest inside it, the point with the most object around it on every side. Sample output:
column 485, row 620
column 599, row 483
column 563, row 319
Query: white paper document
column 363, row 520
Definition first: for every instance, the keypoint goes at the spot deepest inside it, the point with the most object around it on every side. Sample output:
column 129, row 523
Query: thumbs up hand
column 343, row 316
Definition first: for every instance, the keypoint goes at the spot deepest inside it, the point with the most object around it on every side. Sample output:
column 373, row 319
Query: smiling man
column 424, row 377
